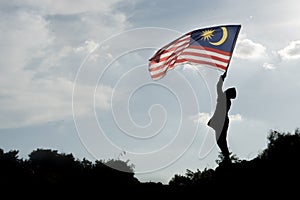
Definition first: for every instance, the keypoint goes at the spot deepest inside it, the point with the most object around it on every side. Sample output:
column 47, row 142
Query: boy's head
column 231, row 93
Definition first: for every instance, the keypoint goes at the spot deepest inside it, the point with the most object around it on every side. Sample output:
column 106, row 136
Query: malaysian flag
column 211, row 47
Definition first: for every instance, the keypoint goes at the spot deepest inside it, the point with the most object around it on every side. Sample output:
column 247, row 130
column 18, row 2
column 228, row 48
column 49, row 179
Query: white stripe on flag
column 207, row 52
column 203, row 59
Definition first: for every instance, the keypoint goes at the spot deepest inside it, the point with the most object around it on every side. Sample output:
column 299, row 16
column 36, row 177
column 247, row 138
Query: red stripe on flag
column 201, row 62
column 209, row 49
column 205, row 56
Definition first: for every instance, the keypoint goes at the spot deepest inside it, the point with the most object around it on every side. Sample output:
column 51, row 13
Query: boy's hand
column 223, row 76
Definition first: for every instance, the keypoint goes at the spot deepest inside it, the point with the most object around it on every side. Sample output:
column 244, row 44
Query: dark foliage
column 275, row 169
column 52, row 171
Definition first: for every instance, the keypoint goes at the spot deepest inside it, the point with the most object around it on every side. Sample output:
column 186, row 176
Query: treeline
column 276, row 168
column 47, row 168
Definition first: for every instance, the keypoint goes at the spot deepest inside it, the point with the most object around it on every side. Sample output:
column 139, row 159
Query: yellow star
column 207, row 34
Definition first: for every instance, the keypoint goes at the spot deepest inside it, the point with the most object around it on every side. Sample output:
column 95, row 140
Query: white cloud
column 67, row 7
column 192, row 67
column 292, row 51
column 44, row 100
column 189, row 67
column 24, row 36
column 203, row 118
column 268, row 66
column 90, row 46
column 247, row 49
column 236, row 118
column 83, row 99
column 35, row 102
column 39, row 60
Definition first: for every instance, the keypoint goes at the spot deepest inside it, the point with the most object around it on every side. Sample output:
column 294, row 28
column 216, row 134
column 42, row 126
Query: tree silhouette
column 233, row 158
column 279, row 163
column 52, row 172
column 282, row 146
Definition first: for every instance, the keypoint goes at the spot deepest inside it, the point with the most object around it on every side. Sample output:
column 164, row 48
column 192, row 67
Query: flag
column 212, row 46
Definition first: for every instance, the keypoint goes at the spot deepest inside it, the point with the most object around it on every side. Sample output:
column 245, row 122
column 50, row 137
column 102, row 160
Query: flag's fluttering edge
column 211, row 46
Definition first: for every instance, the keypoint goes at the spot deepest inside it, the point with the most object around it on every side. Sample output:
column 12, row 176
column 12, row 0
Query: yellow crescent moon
column 222, row 40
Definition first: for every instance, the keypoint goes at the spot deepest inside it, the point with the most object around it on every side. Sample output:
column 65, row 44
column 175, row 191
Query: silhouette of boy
column 220, row 120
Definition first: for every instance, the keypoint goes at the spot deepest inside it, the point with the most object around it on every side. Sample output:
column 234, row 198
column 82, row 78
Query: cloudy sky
column 74, row 78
